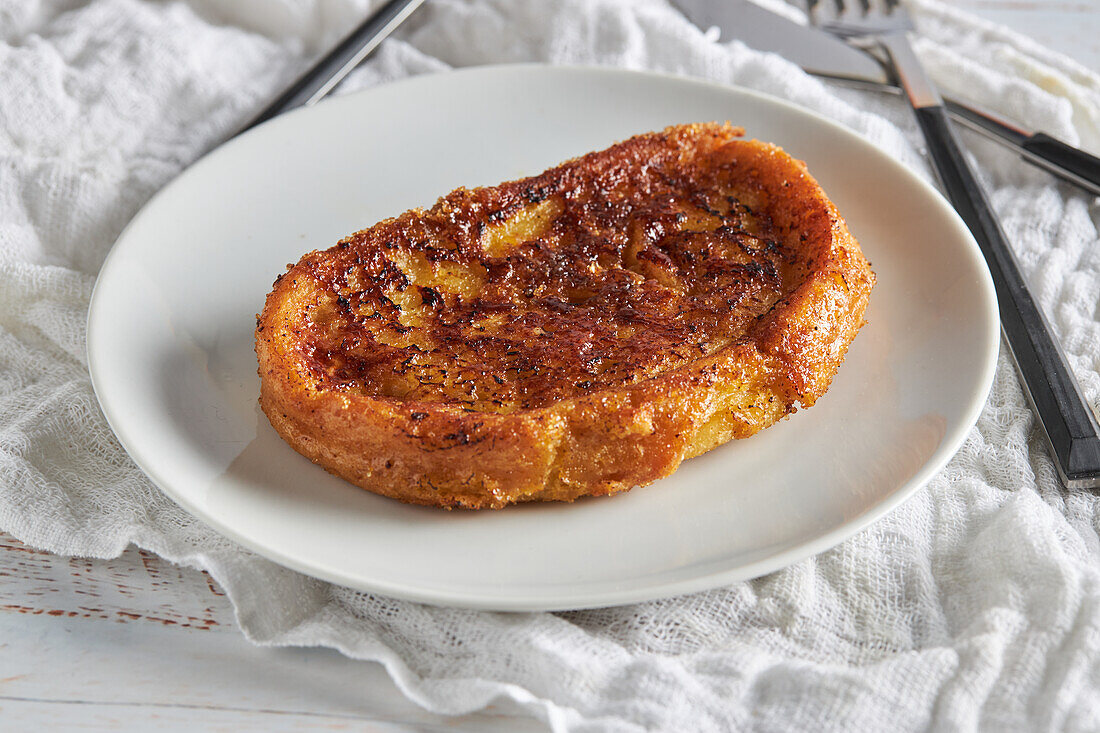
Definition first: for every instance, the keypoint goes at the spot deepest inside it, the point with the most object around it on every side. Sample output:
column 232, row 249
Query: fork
column 1068, row 421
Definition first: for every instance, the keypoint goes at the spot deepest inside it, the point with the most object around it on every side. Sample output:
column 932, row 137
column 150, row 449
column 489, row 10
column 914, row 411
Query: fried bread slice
column 580, row 332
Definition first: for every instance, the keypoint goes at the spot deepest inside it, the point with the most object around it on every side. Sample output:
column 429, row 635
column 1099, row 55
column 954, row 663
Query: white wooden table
column 139, row 644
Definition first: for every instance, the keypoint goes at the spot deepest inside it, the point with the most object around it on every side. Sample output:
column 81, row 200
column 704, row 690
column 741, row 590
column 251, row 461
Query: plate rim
column 949, row 446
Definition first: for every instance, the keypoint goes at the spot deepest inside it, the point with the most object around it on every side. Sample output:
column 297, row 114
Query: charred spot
column 770, row 271
column 488, row 306
column 459, row 438
column 659, row 257
column 557, row 305
column 729, row 232
column 534, row 195
column 418, row 416
column 430, row 296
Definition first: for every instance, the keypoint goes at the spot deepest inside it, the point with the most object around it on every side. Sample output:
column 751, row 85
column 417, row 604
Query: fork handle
column 1069, row 423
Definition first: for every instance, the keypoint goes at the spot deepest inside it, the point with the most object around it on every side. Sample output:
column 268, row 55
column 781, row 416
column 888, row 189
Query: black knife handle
column 1067, row 157
column 1041, row 150
column 1069, row 422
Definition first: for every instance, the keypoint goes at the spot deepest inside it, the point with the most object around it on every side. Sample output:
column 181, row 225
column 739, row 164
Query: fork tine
column 858, row 18
column 851, row 10
column 822, row 11
column 879, row 7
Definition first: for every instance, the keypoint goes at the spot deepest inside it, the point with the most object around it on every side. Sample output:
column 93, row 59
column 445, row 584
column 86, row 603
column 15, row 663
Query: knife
column 330, row 70
column 823, row 55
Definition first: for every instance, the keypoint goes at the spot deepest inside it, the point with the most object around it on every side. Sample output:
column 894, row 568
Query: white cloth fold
column 975, row 604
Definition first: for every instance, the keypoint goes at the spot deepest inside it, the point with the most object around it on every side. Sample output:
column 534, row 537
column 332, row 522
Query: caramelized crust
column 575, row 333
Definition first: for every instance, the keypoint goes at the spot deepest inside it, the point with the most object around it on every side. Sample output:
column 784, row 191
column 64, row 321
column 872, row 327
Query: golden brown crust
column 575, row 333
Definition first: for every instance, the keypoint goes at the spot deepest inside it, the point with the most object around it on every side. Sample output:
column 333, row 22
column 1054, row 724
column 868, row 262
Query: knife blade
column 823, row 55
column 816, row 52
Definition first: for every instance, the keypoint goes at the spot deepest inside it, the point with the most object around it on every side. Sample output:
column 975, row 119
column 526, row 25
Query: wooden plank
column 137, row 643
column 138, row 586
column 30, row 715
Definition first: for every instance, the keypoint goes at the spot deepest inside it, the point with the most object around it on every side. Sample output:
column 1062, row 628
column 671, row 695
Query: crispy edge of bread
column 602, row 443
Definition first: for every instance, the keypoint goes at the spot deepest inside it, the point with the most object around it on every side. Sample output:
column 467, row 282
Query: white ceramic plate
column 170, row 347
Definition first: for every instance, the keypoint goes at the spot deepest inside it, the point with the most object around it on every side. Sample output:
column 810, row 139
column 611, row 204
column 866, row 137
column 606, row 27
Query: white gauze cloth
column 975, row 604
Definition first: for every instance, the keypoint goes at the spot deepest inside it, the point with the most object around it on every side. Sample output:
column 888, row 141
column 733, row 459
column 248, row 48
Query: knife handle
column 1068, row 158
column 1066, row 417
column 1054, row 156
